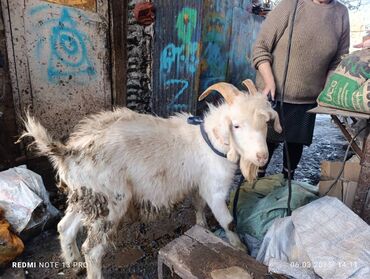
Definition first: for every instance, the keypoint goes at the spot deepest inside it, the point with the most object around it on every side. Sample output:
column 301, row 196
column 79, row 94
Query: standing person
column 320, row 38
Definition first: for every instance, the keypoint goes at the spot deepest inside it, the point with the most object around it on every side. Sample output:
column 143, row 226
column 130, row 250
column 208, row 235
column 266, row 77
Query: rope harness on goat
column 196, row 120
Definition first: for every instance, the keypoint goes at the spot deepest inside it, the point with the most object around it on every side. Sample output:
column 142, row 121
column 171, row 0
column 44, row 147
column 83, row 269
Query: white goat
column 113, row 159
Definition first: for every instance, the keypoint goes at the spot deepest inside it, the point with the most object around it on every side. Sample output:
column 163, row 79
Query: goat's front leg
column 217, row 203
column 199, row 204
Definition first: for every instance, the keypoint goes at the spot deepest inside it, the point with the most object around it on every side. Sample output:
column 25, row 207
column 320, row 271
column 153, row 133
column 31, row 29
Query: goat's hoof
column 202, row 223
column 80, row 270
column 242, row 247
column 237, row 244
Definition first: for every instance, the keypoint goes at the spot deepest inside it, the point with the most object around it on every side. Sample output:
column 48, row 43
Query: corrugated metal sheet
column 176, row 56
column 245, row 28
column 59, row 61
column 216, row 33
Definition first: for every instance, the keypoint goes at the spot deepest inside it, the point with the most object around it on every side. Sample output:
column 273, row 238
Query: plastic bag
column 24, row 199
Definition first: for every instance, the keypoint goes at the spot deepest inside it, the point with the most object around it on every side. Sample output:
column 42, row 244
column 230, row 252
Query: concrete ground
column 136, row 250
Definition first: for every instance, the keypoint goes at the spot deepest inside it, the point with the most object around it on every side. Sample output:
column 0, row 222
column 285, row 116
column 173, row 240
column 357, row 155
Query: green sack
column 261, row 202
column 348, row 87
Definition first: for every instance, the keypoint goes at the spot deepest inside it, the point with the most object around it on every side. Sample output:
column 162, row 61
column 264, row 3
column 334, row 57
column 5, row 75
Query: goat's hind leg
column 101, row 232
column 95, row 245
column 68, row 228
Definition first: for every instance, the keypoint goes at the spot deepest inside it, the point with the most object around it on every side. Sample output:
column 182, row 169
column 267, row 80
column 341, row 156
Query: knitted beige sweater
column 320, row 38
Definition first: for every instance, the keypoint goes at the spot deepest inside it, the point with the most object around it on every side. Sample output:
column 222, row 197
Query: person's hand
column 268, row 78
column 270, row 87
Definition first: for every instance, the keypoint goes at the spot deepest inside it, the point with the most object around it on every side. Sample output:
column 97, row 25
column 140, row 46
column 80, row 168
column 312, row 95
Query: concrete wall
column 58, row 60
column 139, row 70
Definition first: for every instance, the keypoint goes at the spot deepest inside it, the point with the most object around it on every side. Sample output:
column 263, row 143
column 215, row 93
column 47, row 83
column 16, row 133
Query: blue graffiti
column 185, row 85
column 66, row 46
column 215, row 59
column 215, row 39
column 181, row 59
column 37, row 9
column 185, row 59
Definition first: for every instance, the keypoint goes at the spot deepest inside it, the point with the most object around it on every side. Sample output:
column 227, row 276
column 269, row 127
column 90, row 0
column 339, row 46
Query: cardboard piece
column 346, row 186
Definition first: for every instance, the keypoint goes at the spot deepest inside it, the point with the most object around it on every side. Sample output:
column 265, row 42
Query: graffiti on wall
column 215, row 40
column 180, row 58
column 244, row 33
column 63, row 44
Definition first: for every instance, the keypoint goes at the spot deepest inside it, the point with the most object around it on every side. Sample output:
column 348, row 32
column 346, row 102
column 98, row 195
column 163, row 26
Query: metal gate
column 176, row 56
column 196, row 44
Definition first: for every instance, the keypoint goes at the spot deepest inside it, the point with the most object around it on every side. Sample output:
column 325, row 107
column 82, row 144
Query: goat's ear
column 271, row 114
column 232, row 155
column 277, row 125
column 222, row 131
column 263, row 115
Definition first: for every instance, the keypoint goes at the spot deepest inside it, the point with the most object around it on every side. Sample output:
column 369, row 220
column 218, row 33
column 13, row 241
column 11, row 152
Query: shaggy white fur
column 113, row 159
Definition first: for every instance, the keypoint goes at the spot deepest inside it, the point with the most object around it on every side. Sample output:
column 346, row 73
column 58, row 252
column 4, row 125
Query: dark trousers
column 295, row 155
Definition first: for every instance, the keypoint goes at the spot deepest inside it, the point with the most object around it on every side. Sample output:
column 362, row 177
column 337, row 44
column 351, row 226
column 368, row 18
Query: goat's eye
column 236, row 126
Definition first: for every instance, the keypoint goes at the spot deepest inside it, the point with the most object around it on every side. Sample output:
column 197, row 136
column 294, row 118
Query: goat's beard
column 248, row 169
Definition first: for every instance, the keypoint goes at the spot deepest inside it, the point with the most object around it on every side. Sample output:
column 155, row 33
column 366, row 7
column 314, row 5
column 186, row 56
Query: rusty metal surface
column 81, row 4
column 244, row 32
column 176, row 56
column 226, row 44
column 216, row 32
column 59, row 61
column 361, row 205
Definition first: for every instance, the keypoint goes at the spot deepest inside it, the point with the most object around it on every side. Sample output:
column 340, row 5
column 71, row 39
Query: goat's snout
column 262, row 157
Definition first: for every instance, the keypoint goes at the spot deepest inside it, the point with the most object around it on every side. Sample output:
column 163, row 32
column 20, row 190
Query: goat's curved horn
column 248, row 83
column 227, row 90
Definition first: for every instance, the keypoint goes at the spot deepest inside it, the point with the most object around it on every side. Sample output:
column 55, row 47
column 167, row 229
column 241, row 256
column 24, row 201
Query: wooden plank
column 339, row 112
column 205, row 236
column 361, row 204
column 244, row 32
column 198, row 253
column 118, row 11
column 8, row 129
column 348, row 136
column 176, row 56
column 173, row 255
column 13, row 12
column 10, row 54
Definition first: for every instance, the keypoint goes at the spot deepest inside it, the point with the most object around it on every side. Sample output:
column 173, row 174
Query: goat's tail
column 43, row 141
